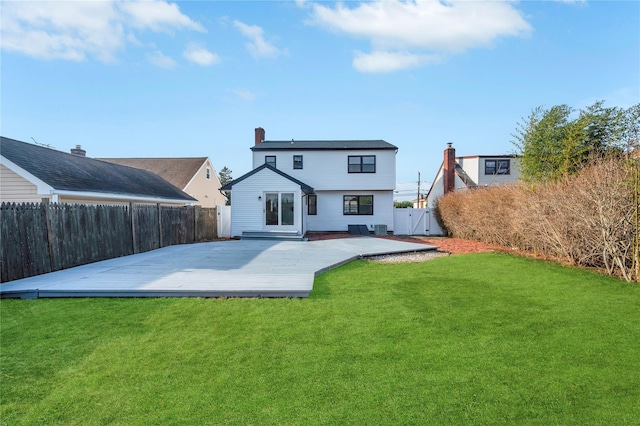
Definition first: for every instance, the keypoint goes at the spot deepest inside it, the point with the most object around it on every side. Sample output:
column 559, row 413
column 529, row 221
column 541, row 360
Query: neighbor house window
column 208, row 173
column 358, row 204
column 297, row 161
column 362, row 164
column 312, row 205
column 270, row 160
column 496, row 167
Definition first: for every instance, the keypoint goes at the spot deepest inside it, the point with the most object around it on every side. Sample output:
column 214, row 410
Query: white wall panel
column 327, row 169
column 330, row 215
column 247, row 210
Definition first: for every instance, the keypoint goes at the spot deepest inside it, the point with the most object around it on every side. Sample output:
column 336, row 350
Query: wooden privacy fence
column 44, row 237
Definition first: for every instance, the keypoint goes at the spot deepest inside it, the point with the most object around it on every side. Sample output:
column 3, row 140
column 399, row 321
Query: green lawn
column 466, row 339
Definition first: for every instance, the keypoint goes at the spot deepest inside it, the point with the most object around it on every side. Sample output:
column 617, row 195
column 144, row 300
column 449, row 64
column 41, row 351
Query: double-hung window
column 312, row 205
column 362, row 164
column 270, row 160
column 496, row 167
column 297, row 162
column 358, row 205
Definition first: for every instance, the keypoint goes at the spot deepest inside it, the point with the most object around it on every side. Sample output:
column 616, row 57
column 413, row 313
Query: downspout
column 302, row 214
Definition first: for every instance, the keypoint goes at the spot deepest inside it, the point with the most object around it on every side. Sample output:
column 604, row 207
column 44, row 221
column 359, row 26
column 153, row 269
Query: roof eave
column 121, row 197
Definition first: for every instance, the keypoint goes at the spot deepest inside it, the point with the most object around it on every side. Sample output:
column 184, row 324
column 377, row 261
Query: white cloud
column 244, row 94
column 74, row 30
column 157, row 15
column 258, row 46
column 394, row 26
column 389, row 61
column 161, row 60
column 199, row 55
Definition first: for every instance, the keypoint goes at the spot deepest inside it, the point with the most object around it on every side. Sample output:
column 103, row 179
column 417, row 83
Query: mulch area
column 450, row 245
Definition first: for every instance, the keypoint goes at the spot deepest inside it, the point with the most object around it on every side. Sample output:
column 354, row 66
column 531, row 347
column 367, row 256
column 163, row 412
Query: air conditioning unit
column 380, row 229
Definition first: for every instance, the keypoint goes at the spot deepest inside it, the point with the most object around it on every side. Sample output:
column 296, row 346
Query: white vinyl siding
column 331, row 217
column 497, row 179
column 328, row 169
column 16, row 189
column 247, row 201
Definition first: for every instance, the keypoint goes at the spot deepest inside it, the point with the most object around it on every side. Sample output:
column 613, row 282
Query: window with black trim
column 358, row 205
column 208, row 173
column 297, row 161
column 270, row 160
column 497, row 167
column 362, row 164
column 312, row 205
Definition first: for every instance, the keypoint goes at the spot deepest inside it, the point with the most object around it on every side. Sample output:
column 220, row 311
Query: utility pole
column 418, row 190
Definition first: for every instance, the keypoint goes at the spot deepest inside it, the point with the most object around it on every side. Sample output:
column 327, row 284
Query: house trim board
column 305, row 188
column 43, row 187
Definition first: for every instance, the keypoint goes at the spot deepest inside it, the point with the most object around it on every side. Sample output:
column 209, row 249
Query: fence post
column 196, row 212
column 50, row 242
column 134, row 242
column 160, row 239
column 215, row 223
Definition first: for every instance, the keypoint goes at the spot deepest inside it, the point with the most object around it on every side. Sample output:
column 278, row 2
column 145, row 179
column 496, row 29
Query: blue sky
column 194, row 78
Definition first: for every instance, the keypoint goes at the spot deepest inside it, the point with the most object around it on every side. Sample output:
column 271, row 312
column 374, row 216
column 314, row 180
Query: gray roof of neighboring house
column 322, row 145
column 68, row 172
column 306, row 188
column 177, row 171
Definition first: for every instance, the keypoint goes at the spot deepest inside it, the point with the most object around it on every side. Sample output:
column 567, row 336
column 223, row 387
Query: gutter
column 55, row 193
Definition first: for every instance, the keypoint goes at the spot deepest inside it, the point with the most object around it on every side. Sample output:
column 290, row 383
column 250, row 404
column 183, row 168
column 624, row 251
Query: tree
column 225, row 177
column 403, row 204
column 556, row 143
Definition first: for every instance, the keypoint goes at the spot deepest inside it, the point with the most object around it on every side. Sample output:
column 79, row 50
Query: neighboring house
column 476, row 171
column 195, row 176
column 301, row 186
column 31, row 173
column 420, row 203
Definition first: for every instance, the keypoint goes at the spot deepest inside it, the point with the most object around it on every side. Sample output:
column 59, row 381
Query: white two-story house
column 307, row 186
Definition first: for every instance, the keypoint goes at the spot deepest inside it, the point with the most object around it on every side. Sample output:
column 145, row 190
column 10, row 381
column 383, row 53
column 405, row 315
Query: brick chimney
column 79, row 151
column 449, row 165
column 259, row 135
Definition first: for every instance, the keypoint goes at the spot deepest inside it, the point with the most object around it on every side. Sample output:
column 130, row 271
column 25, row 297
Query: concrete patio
column 237, row 268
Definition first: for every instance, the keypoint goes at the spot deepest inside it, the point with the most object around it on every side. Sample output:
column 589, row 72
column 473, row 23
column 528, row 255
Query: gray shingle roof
column 68, row 172
column 322, row 145
column 177, row 171
column 305, row 188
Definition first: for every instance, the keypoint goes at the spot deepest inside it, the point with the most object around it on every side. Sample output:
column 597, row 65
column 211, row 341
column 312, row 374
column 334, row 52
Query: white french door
column 279, row 209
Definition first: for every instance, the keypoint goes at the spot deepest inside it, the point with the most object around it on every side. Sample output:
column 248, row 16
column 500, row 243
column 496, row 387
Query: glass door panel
column 271, row 208
column 287, row 208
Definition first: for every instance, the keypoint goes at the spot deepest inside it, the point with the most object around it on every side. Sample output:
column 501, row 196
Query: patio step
column 273, row 235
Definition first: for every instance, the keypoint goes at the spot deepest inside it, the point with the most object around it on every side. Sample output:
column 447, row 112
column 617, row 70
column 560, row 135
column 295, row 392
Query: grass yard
column 466, row 339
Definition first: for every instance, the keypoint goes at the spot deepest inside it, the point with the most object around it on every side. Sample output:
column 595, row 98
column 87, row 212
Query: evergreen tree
column 557, row 142
column 225, row 177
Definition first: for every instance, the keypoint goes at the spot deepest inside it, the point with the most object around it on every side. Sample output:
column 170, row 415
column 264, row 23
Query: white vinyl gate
column 415, row 222
column 224, row 221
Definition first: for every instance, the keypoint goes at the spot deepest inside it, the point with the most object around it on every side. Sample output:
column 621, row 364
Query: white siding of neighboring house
column 328, row 169
column 247, row 210
column 471, row 168
column 437, row 189
column 206, row 191
column 490, row 180
column 16, row 189
column 330, row 215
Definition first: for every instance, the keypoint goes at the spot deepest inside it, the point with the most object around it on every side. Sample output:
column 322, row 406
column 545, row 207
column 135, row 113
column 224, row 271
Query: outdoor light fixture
column 259, row 197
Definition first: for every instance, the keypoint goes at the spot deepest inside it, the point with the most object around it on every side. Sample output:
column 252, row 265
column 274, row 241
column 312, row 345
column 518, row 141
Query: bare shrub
column 589, row 219
column 483, row 214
